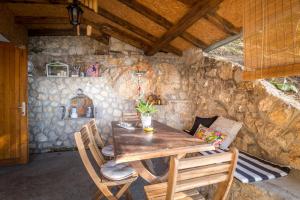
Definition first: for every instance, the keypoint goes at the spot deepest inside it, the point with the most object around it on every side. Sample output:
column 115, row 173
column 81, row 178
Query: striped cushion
column 252, row 169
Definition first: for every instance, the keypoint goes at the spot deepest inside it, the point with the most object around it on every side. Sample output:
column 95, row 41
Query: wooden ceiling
column 151, row 25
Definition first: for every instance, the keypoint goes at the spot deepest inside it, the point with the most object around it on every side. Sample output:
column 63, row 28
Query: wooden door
column 13, row 105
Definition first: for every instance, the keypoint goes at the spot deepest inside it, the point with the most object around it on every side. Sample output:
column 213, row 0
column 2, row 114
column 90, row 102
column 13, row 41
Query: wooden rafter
column 135, row 29
column 161, row 21
column 222, row 24
column 196, row 12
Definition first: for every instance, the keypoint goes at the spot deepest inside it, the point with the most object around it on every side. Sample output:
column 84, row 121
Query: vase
column 146, row 121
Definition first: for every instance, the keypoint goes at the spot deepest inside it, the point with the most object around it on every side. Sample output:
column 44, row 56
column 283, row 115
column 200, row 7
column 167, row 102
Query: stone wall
column 194, row 84
column 114, row 92
column 16, row 34
column 271, row 119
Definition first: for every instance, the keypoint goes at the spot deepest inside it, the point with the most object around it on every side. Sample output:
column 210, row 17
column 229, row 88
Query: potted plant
column 146, row 109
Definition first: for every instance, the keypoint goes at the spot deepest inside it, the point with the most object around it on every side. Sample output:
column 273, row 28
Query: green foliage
column 285, row 87
column 145, row 107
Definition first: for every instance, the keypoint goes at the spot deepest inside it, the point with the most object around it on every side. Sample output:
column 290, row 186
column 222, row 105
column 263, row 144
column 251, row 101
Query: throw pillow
column 230, row 127
column 210, row 136
column 203, row 121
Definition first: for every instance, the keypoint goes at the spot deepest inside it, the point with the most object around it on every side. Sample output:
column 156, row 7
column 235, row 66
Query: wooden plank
column 204, row 160
column 161, row 21
column 197, row 11
column 199, row 182
column 223, row 42
column 203, row 171
column 135, row 29
column 165, row 141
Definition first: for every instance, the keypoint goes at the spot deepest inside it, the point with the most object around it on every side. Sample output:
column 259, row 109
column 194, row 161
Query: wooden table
column 133, row 146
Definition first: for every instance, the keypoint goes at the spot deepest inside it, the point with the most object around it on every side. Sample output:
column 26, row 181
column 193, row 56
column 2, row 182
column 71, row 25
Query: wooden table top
column 134, row 145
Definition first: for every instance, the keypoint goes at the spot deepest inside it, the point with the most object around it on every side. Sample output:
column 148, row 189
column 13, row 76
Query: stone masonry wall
column 271, row 120
column 114, row 92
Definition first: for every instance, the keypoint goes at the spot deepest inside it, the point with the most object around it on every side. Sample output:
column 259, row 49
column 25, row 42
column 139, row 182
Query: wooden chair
column 107, row 150
column 188, row 174
column 101, row 180
column 130, row 117
column 94, row 130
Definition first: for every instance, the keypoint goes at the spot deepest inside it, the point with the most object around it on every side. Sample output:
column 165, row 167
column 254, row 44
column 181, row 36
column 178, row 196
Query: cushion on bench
column 252, row 169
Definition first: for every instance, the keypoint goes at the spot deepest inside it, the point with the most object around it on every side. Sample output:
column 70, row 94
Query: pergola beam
column 196, row 12
column 143, row 10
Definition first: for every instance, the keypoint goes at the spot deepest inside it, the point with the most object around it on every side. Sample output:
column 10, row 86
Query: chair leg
column 107, row 193
column 129, row 195
column 122, row 190
column 98, row 195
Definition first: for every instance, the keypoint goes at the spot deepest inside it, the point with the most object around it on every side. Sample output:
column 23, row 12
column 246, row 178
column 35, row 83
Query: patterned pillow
column 210, row 136
column 230, row 127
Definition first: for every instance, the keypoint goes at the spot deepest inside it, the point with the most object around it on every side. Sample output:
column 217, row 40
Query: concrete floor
column 53, row 176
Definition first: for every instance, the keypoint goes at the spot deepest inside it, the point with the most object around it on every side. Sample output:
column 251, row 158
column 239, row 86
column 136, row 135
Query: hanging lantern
column 75, row 13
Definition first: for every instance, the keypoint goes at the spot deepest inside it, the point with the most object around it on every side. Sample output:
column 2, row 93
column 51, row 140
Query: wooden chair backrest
column 94, row 130
column 90, row 143
column 82, row 141
column 194, row 172
column 130, row 116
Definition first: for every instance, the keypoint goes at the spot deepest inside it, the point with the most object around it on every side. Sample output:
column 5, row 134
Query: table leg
column 146, row 174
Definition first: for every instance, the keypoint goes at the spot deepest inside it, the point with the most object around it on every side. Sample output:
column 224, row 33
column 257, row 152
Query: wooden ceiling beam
column 52, row 32
column 41, row 20
column 222, row 24
column 200, row 9
column 106, row 14
column 143, row 10
column 66, row 32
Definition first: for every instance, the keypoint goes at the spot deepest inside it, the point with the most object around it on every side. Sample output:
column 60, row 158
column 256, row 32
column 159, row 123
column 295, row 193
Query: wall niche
column 81, row 106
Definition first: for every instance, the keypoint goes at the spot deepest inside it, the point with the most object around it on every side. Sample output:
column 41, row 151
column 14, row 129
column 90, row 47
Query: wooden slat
column 197, row 11
column 203, row 171
column 199, row 182
column 133, row 4
column 205, row 160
